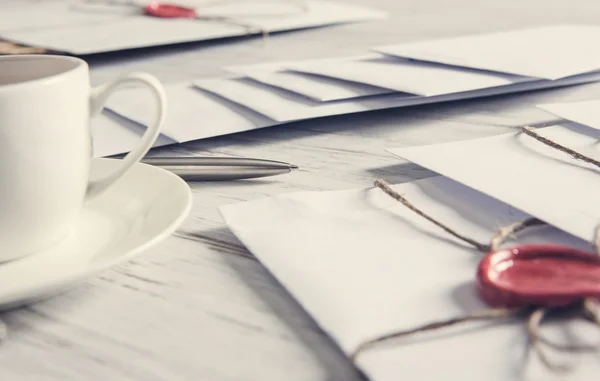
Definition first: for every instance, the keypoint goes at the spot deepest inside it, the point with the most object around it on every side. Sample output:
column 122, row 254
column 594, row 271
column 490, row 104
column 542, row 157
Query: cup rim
column 79, row 64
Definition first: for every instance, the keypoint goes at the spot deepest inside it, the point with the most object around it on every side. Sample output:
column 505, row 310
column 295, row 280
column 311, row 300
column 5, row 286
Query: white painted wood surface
column 199, row 306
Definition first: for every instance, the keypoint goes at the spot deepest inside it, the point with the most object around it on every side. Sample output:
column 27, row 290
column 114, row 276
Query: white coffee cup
column 46, row 103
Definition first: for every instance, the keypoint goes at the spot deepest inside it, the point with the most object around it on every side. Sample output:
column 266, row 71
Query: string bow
column 587, row 307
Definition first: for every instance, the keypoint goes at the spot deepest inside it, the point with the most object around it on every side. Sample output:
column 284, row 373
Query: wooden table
column 199, row 306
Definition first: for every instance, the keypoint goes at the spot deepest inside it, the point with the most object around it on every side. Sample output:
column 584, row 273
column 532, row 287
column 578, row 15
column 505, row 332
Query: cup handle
column 99, row 96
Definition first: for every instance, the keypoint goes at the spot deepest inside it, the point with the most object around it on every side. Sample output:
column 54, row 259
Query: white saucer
column 142, row 208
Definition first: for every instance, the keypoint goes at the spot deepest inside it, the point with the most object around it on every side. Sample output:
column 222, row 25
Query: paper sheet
column 586, row 112
column 412, row 77
column 84, row 29
column 364, row 265
column 519, row 170
column 549, row 52
column 318, row 88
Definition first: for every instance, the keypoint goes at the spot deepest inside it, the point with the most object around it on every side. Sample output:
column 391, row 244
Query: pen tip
column 293, row 166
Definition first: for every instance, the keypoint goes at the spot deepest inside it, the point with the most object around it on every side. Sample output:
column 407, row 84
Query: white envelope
column 272, row 103
column 231, row 106
column 88, row 32
column 113, row 135
column 85, row 29
column 318, row 88
column 191, row 114
column 363, row 265
column 519, row 170
column 550, row 52
column 45, row 15
column 285, row 107
column 273, row 67
column 412, row 77
column 586, row 112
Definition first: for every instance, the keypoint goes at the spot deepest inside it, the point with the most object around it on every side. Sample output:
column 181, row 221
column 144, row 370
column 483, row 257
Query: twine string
column 301, row 8
column 398, row 197
column 551, row 143
column 250, row 28
column 536, row 339
column 499, row 238
column 510, row 230
column 592, row 308
column 480, row 315
column 529, row 131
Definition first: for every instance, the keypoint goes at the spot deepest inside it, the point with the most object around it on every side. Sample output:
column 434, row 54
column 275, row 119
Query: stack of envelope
column 363, row 265
column 413, row 73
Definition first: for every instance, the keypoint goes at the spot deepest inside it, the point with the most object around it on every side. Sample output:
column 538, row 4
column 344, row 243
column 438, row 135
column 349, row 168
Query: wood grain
column 199, row 306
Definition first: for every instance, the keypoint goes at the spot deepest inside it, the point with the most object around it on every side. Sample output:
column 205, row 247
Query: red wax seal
column 170, row 11
column 539, row 276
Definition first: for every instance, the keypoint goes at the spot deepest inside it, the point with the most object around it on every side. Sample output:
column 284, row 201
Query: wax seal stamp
column 521, row 282
column 538, row 275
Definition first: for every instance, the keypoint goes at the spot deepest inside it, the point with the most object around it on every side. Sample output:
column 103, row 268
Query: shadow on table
column 400, row 173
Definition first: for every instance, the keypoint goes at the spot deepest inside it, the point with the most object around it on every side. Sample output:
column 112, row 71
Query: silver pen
column 219, row 168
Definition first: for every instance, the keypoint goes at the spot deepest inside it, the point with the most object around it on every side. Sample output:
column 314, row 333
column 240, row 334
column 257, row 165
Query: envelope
column 284, row 106
column 113, row 135
column 551, row 52
column 275, row 66
column 412, row 77
column 82, row 31
column 222, row 106
column 82, row 28
column 523, row 172
column 317, row 88
column 20, row 15
column 191, row 114
column 585, row 112
column 272, row 103
column 364, row 265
